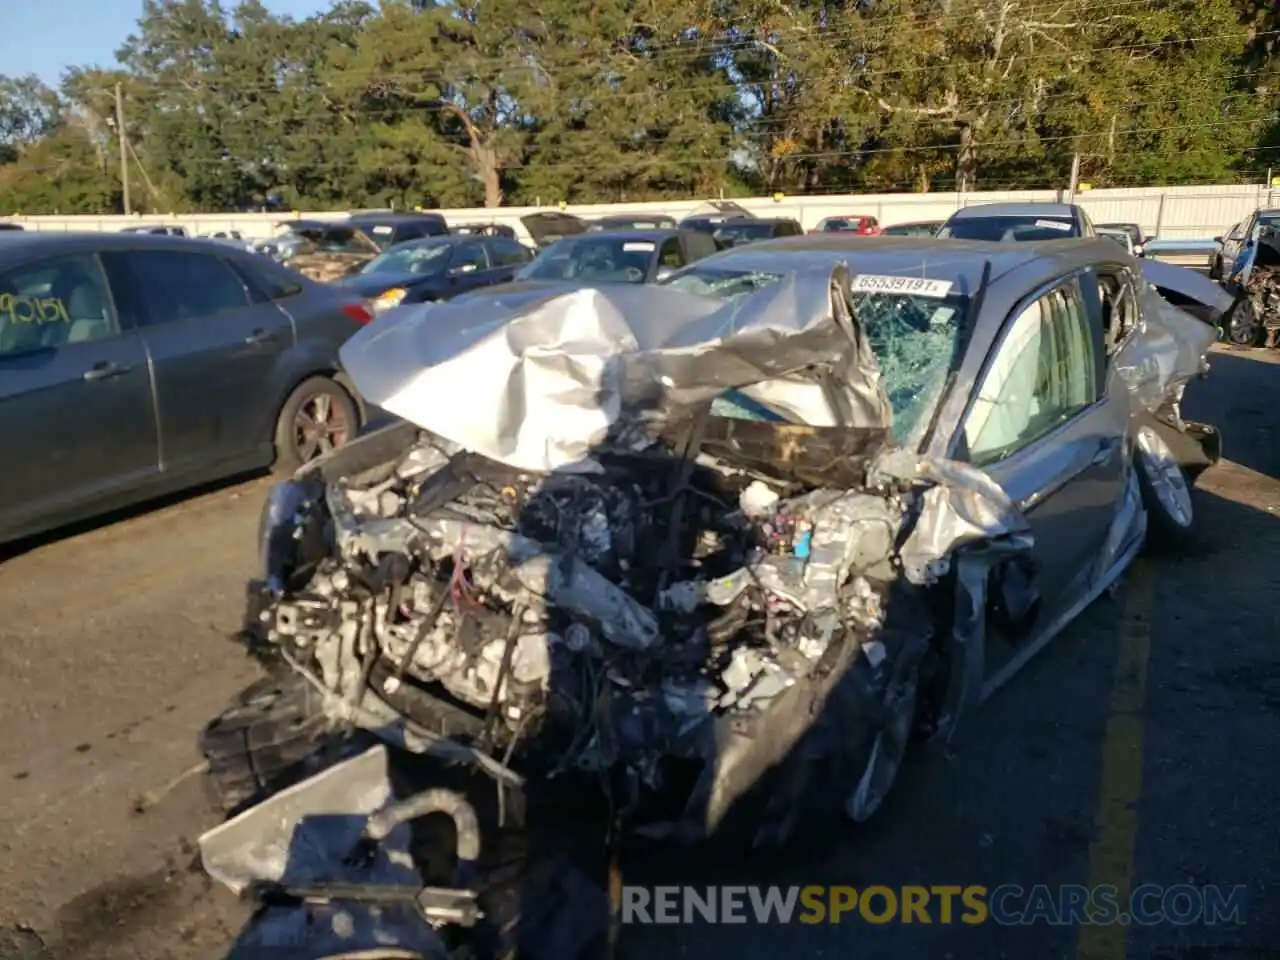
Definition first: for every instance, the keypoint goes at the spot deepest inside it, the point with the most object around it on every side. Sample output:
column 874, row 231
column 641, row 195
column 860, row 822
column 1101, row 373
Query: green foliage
column 461, row 102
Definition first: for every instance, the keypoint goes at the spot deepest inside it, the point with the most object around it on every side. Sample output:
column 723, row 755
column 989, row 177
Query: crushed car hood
column 562, row 372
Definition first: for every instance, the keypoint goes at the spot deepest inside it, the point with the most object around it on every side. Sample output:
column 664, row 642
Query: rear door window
column 176, row 286
column 472, row 254
column 507, row 253
column 54, row 302
column 267, row 280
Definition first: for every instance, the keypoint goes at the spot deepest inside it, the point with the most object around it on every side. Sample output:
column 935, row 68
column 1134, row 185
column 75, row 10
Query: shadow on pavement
column 109, row 518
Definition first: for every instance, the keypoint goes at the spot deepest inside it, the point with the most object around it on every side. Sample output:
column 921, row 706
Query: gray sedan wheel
column 1166, row 491
column 318, row 417
column 888, row 749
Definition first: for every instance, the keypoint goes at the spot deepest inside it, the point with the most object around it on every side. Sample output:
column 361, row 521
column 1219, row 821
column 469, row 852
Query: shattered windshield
column 422, row 259
column 594, row 259
column 915, row 337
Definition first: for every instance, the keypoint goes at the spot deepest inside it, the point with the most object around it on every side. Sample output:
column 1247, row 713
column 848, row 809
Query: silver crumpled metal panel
column 1164, row 352
column 962, row 506
column 537, row 386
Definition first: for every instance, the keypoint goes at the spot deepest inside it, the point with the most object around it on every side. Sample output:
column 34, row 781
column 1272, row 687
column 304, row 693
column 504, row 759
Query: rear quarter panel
column 320, row 329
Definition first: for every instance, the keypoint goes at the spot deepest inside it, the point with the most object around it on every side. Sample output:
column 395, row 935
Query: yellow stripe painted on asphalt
column 1116, row 820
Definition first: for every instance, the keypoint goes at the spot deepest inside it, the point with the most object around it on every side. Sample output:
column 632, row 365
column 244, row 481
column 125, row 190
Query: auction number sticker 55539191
column 912, row 286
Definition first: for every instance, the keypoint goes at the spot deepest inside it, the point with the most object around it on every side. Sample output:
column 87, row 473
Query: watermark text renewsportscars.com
column 1008, row 905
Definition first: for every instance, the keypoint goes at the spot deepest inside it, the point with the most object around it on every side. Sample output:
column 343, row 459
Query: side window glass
column 701, row 245
column 1044, row 372
column 177, row 286
column 267, row 280
column 671, row 255
column 1119, row 307
column 469, row 258
column 53, row 303
column 508, row 253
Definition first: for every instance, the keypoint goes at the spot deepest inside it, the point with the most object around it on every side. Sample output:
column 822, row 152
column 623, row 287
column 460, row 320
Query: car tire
column 319, row 415
column 1241, row 326
column 272, row 735
column 1164, row 484
column 1215, row 269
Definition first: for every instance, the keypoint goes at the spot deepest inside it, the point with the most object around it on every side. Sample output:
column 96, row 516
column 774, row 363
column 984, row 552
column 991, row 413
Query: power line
column 818, row 155
column 753, row 126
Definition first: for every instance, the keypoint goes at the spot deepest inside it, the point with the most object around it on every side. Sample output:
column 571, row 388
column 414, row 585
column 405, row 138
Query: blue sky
column 46, row 38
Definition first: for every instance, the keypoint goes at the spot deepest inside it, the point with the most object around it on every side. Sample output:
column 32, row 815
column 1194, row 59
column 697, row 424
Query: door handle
column 1106, row 450
column 259, row 337
column 104, row 370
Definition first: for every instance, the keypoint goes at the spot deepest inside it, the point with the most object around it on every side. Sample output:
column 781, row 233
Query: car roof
column 634, row 218
column 957, row 260
column 19, row 245
column 647, row 235
column 1270, row 212
column 440, row 239
column 391, row 216
column 736, row 221
column 1015, row 210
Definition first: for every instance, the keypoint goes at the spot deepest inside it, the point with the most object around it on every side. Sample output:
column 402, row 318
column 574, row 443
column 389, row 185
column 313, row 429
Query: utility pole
column 124, row 150
column 1075, row 178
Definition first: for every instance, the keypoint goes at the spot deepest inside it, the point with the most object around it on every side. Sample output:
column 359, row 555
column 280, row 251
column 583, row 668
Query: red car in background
column 856, row 223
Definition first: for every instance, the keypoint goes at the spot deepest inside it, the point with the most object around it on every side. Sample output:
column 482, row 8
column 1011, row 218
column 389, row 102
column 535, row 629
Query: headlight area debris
column 701, row 607
column 1263, row 288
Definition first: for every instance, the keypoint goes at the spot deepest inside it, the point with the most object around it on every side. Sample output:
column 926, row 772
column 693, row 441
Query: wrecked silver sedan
column 705, row 544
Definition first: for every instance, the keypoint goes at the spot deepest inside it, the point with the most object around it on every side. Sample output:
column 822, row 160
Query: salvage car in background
column 1238, row 251
column 727, row 542
column 1136, row 234
column 1256, row 320
column 541, row 230
column 915, row 228
column 1018, row 222
column 1216, row 263
column 711, row 216
column 389, row 227
column 735, row 233
column 419, row 271
column 483, row 230
column 319, row 249
column 593, row 259
column 860, row 224
column 160, row 231
column 1121, row 237
column 640, row 221
column 133, row 365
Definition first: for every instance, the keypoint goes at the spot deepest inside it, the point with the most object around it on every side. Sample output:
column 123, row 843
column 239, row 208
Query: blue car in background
column 1240, row 249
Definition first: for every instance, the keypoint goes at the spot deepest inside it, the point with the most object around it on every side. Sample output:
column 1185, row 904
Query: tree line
column 490, row 102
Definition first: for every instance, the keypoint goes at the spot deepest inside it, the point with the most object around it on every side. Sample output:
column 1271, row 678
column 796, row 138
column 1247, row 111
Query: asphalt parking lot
column 1138, row 749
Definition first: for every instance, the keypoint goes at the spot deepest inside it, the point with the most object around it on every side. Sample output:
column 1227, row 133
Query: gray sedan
column 133, row 365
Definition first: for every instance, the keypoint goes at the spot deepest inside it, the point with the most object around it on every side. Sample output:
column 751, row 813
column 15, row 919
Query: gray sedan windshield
column 593, row 258
column 916, row 340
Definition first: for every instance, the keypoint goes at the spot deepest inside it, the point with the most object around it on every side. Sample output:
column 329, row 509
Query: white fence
column 1169, row 212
